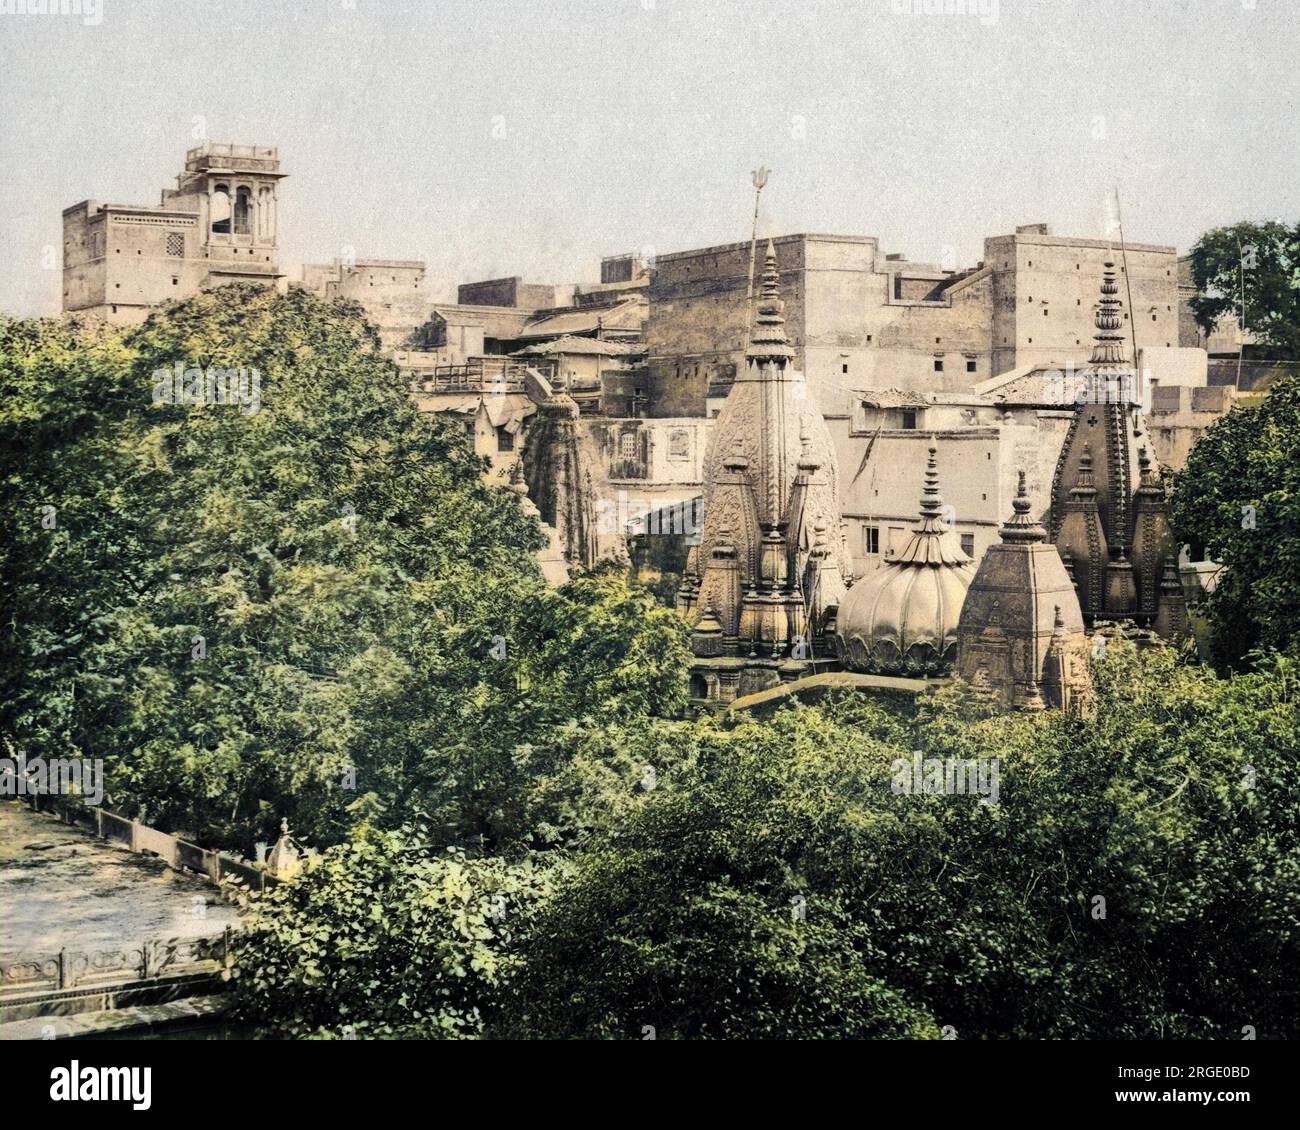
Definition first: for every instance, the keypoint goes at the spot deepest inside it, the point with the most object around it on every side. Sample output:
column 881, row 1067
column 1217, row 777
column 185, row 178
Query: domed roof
column 902, row 619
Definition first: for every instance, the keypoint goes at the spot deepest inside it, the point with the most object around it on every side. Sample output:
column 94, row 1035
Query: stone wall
column 393, row 293
column 1045, row 290
column 980, row 452
column 506, row 292
column 848, row 329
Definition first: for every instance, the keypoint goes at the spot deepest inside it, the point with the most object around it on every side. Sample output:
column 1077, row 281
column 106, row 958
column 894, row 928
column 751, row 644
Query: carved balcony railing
column 23, row 975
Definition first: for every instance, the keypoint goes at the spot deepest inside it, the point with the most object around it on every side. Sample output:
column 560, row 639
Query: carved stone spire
column 1153, row 540
column 770, row 483
column 767, row 339
column 1082, row 540
column 1108, row 341
column 1020, row 528
column 1171, row 617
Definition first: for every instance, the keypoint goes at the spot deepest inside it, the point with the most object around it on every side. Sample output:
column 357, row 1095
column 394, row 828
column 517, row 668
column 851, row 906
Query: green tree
column 1259, row 263
column 71, row 552
column 385, row 937
column 1138, row 877
column 316, row 609
column 1239, row 497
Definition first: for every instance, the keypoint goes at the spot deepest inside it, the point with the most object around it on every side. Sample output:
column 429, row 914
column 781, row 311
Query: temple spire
column 931, row 499
column 1108, row 341
column 767, row 339
column 1020, row 528
column 933, row 541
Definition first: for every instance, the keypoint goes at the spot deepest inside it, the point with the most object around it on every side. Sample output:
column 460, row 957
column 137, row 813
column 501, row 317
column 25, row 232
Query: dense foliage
column 316, row 609
column 386, row 937
column 1258, row 266
column 1138, row 877
column 320, row 610
column 1239, row 498
column 782, row 888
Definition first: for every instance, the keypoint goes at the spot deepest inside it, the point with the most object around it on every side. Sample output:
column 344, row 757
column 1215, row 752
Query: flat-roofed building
column 219, row 225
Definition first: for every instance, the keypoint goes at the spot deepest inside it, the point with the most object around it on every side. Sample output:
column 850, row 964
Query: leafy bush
column 781, row 888
column 383, row 937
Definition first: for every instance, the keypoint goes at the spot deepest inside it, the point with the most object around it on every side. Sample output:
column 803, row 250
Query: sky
column 533, row 137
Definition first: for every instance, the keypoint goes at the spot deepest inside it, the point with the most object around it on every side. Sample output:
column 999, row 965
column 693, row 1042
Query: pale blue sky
column 635, row 123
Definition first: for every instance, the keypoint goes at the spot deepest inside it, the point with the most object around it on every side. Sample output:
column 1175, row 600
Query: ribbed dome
column 902, row 620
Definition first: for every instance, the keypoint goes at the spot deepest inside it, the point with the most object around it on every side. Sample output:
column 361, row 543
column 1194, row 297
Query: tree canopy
column 310, row 604
column 1137, row 877
column 1239, row 498
column 317, row 609
column 1255, row 266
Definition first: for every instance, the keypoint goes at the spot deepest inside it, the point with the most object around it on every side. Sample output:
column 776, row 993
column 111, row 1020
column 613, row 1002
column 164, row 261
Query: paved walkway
column 60, row 886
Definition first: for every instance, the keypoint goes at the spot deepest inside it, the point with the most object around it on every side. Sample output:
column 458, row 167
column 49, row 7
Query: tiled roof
column 501, row 410
column 1042, row 386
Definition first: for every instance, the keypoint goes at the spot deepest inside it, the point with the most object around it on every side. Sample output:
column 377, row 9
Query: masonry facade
column 219, row 225
column 895, row 355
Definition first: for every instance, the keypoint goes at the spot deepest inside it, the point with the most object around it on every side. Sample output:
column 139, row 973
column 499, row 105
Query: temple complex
column 770, row 595
column 798, row 423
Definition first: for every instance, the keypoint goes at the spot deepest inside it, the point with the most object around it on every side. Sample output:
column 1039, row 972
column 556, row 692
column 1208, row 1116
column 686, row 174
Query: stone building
column 896, row 355
column 857, row 319
column 393, row 292
column 861, row 319
column 1044, row 292
column 218, row 225
column 762, row 585
column 882, row 445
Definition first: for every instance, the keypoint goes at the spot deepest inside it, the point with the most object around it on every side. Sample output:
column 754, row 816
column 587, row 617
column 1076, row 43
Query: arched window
column 244, row 211
column 627, row 445
column 219, row 210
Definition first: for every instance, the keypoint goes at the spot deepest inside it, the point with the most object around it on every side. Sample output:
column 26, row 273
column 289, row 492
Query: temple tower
column 1021, row 629
column 764, row 582
column 1109, row 517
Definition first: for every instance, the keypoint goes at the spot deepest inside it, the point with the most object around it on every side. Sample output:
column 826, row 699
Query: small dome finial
column 931, row 502
column 1020, row 527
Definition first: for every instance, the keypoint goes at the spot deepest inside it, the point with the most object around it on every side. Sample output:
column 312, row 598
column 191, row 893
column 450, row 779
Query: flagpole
column 1128, row 285
column 759, row 177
